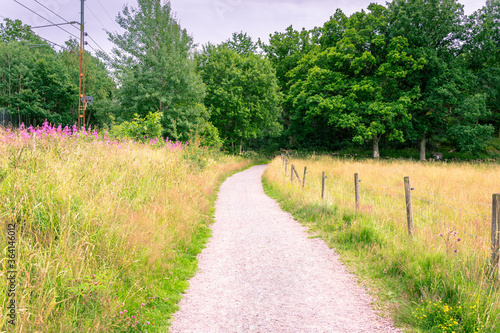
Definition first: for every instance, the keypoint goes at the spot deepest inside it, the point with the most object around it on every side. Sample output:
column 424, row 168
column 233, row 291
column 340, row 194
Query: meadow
column 99, row 234
column 439, row 279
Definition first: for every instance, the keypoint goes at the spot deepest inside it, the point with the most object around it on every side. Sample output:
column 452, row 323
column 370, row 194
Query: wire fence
column 432, row 212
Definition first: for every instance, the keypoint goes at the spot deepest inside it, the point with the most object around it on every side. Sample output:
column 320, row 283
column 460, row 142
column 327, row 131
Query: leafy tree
column 242, row 94
column 284, row 51
column 141, row 129
column 98, row 84
column 434, row 29
column 153, row 66
column 241, row 43
column 482, row 51
column 34, row 83
column 360, row 84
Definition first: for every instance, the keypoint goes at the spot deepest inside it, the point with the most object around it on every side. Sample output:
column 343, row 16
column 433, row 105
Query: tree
column 34, row 84
column 482, row 52
column 241, row 43
column 153, row 66
column 284, row 51
column 360, row 84
column 98, row 84
column 433, row 29
column 242, row 94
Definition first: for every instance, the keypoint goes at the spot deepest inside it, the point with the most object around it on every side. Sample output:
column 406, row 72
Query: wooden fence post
column 292, row 169
column 356, row 189
column 304, row 178
column 286, row 165
column 409, row 212
column 495, row 233
column 296, row 174
column 323, row 177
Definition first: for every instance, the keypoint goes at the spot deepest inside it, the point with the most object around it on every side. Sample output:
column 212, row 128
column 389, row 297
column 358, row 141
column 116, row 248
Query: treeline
column 37, row 83
column 414, row 72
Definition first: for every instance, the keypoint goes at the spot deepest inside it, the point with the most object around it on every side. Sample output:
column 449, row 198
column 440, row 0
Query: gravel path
column 261, row 273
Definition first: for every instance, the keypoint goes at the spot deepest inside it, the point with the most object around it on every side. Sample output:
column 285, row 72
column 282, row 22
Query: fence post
column 409, row 212
column 304, row 178
column 291, row 172
column 323, row 177
column 286, row 165
column 495, row 232
column 356, row 189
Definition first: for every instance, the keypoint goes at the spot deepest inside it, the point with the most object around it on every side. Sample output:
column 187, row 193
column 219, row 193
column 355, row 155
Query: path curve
column 261, row 273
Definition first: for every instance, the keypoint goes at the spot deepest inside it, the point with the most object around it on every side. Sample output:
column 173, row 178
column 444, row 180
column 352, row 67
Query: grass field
column 103, row 233
column 438, row 280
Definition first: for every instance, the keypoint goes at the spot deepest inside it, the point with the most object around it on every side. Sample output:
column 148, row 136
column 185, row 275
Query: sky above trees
column 206, row 20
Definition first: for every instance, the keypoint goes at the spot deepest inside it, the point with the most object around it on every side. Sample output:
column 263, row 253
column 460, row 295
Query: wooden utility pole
column 81, row 95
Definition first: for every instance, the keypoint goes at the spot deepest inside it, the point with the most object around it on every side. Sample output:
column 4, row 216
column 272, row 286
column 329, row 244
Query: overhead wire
column 109, row 16
column 96, row 43
column 46, row 19
column 50, row 10
column 95, row 16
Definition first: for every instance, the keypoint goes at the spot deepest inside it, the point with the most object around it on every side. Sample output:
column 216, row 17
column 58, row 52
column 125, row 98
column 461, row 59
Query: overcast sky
column 206, row 20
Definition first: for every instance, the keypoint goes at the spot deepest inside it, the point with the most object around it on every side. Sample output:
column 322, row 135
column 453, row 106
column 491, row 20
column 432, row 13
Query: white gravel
column 261, row 273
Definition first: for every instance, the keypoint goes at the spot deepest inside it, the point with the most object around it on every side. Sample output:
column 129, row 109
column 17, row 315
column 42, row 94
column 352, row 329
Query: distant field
column 439, row 279
column 100, row 235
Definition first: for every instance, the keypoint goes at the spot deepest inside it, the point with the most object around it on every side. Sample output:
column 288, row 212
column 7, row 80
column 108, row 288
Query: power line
column 62, row 47
column 96, row 43
column 95, row 16
column 92, row 48
column 50, row 10
column 52, row 25
column 45, row 18
column 108, row 14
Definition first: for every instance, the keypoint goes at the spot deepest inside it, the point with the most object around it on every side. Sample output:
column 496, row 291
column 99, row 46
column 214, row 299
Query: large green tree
column 34, row 83
column 434, row 30
column 482, row 51
column 284, row 51
column 359, row 84
column 153, row 66
column 242, row 94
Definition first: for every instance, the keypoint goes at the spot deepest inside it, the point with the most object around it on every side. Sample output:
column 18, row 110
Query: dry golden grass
column 100, row 224
column 448, row 257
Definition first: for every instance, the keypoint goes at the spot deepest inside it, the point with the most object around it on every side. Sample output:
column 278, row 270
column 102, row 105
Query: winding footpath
column 261, row 273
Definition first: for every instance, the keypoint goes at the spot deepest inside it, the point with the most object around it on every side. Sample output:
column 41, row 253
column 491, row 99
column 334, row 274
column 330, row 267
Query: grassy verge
column 106, row 233
column 438, row 280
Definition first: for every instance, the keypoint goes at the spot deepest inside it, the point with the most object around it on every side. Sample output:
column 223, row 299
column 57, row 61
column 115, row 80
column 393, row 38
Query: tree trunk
column 376, row 153
column 241, row 145
column 423, row 142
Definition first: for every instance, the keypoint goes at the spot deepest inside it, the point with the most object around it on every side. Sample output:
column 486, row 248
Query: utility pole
column 81, row 99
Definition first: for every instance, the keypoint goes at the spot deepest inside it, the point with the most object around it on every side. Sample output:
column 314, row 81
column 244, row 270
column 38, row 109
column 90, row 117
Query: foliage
column 441, row 279
column 242, row 94
column 140, row 129
column 151, row 62
column 241, row 43
column 34, row 83
column 358, row 84
column 107, row 231
column 284, row 51
column 98, row 84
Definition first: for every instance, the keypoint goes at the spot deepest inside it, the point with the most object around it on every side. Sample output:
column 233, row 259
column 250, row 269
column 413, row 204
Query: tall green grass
column 438, row 280
column 107, row 232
